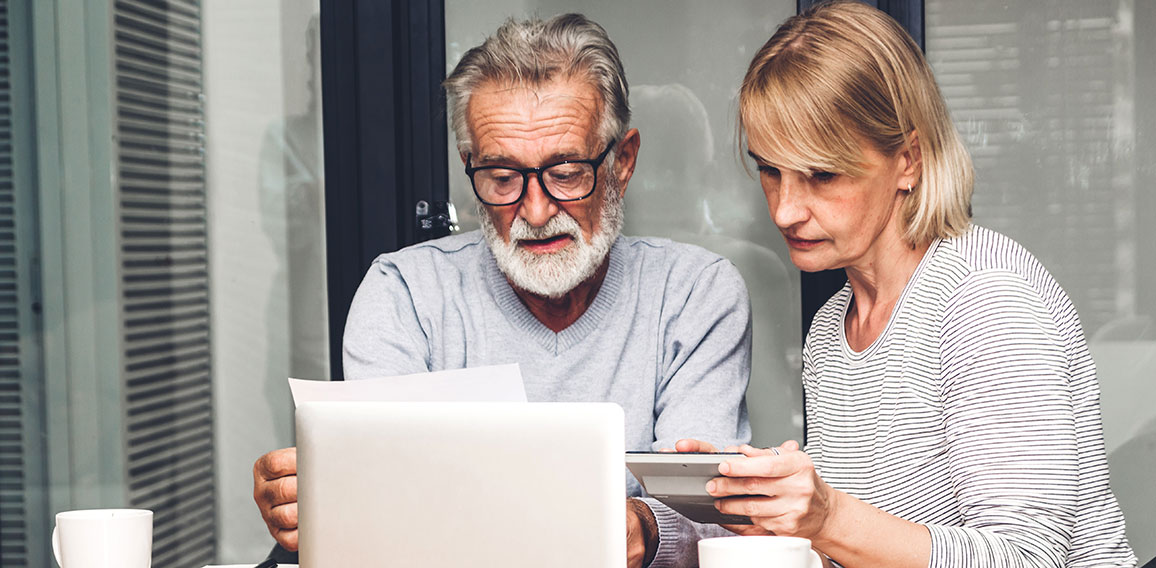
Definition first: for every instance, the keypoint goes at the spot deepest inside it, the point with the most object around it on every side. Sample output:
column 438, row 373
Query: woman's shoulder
column 984, row 249
column 993, row 264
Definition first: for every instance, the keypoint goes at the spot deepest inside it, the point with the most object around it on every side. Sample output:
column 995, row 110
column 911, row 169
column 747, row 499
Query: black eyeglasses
column 570, row 180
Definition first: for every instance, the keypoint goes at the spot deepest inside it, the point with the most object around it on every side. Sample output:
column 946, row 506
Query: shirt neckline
column 522, row 319
column 860, row 356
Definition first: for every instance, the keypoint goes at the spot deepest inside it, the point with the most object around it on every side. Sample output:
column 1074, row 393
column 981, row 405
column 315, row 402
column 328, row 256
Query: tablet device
column 678, row 480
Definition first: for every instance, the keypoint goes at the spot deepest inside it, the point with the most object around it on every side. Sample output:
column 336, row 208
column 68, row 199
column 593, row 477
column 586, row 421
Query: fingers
column 789, row 446
column 721, row 487
column 747, row 530
column 765, row 463
column 275, row 492
column 691, row 445
column 283, row 518
column 753, row 507
column 276, row 464
column 287, row 539
column 281, row 491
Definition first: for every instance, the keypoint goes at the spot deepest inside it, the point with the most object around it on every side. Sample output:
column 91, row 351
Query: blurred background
column 170, row 250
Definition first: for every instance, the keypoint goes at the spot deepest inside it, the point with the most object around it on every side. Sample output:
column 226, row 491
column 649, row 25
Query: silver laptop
column 440, row 485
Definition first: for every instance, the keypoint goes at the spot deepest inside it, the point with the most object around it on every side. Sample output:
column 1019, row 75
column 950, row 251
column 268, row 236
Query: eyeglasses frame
column 596, row 163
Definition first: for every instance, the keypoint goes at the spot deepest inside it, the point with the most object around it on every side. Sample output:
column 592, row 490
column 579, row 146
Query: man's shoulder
column 454, row 249
column 669, row 251
column 673, row 265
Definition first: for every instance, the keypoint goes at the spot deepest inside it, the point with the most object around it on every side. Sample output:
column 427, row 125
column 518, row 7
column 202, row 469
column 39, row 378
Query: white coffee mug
column 757, row 552
column 103, row 538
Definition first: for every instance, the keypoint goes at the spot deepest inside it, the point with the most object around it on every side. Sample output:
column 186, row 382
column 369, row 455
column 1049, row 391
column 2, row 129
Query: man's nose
column 536, row 207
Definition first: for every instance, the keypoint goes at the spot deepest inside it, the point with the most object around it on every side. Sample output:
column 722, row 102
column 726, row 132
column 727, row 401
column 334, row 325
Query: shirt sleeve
column 701, row 394
column 1010, row 424
column 383, row 333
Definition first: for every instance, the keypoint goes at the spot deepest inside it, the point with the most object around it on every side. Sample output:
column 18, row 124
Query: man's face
column 544, row 246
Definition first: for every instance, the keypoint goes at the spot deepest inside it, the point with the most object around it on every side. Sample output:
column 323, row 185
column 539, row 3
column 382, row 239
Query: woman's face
column 834, row 220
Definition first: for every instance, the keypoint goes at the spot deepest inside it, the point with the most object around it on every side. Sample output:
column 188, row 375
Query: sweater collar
column 521, row 318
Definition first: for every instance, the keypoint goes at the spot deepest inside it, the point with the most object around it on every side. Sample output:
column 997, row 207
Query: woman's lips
column 802, row 244
column 546, row 246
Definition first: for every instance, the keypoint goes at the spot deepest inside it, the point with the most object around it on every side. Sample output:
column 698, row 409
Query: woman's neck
column 876, row 285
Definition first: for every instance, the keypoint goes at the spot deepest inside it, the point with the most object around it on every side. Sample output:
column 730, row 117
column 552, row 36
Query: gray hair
column 535, row 52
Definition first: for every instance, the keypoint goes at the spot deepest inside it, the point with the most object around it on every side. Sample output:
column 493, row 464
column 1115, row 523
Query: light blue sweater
column 668, row 338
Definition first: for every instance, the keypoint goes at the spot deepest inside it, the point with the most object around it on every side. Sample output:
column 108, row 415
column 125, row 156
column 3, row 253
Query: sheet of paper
column 497, row 383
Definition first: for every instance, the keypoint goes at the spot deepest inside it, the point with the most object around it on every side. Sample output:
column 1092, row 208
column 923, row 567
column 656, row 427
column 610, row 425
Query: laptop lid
column 440, row 485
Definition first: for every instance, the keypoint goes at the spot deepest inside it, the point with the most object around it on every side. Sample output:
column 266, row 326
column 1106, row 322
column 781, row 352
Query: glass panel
column 684, row 61
column 267, row 246
column 1054, row 99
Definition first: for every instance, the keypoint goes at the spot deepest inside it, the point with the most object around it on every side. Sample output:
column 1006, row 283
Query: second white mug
column 103, row 538
column 757, row 552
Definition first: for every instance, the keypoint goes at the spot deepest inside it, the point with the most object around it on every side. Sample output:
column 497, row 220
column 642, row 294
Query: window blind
column 13, row 507
column 164, row 274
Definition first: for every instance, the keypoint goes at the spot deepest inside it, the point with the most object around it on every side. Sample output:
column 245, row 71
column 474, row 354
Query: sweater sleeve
column 701, row 393
column 1010, row 426
column 383, row 334
column 678, row 537
column 706, row 342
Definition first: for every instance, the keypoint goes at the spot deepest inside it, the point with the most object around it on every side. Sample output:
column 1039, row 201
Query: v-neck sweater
column 667, row 337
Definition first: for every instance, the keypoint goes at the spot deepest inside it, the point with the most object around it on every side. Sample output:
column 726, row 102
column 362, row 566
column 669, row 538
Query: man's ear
column 626, row 157
column 463, row 156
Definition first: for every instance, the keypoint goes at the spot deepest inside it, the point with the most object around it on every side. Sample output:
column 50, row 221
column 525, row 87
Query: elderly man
column 541, row 116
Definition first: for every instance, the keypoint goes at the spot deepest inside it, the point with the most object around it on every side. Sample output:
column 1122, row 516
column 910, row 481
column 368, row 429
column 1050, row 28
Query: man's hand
column 275, row 491
column 641, row 534
column 688, row 445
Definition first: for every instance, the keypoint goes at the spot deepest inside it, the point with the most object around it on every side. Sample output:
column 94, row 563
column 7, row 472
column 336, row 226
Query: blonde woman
column 952, row 403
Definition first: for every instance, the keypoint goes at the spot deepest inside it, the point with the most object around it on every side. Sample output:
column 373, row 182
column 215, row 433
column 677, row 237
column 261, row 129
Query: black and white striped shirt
column 976, row 412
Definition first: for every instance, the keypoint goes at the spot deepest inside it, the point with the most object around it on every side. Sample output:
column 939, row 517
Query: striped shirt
column 976, row 412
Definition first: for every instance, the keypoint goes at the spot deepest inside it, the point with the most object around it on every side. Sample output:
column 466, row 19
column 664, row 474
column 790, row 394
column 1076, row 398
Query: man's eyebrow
column 551, row 159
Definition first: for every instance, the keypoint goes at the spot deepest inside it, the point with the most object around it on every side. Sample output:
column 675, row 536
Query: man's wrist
column 649, row 527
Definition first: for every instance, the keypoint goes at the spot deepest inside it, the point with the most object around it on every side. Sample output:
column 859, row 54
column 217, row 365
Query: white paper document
column 248, row 565
column 497, row 383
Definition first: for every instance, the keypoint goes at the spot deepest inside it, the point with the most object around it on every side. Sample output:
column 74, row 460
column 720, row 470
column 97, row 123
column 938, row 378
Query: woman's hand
column 777, row 488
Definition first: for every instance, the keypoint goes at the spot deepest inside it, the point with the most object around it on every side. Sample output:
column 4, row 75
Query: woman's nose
column 787, row 204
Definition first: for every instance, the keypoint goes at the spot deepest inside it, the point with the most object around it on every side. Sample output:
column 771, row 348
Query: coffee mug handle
column 816, row 562
column 56, row 547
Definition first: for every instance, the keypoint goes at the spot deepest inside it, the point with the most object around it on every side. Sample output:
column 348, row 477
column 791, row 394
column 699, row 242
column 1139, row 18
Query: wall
column 266, row 260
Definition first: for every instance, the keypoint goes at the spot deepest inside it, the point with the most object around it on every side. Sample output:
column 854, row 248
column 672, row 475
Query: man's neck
column 559, row 313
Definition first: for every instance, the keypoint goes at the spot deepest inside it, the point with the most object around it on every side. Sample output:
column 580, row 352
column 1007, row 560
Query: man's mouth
column 547, row 245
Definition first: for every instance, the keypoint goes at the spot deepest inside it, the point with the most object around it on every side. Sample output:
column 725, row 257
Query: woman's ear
column 911, row 161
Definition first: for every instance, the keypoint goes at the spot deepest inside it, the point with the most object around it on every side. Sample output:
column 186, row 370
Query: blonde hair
column 842, row 73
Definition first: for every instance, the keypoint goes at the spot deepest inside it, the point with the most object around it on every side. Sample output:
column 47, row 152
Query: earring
column 908, row 188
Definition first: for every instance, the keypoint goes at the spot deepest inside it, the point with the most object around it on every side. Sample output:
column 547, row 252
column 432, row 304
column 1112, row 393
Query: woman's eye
column 823, row 176
column 769, row 171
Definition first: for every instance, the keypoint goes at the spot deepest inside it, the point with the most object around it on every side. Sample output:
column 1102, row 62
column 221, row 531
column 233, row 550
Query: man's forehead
column 561, row 114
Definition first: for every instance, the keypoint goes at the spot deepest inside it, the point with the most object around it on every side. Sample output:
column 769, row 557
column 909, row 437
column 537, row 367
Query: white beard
column 552, row 275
